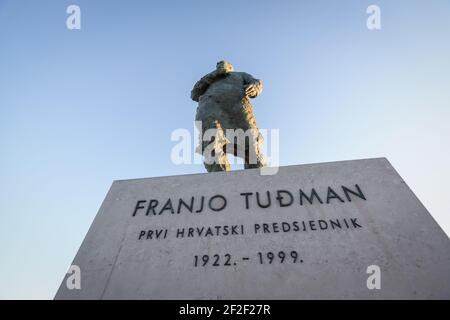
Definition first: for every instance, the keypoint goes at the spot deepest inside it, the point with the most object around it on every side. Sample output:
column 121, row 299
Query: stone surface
column 224, row 106
column 121, row 259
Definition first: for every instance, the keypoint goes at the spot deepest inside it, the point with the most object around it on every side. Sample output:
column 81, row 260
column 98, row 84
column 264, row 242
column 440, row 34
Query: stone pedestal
column 316, row 231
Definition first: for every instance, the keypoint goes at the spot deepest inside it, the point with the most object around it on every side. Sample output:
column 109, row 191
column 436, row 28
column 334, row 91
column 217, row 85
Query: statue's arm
column 202, row 85
column 253, row 87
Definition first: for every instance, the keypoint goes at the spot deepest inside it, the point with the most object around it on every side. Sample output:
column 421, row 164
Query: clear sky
column 79, row 109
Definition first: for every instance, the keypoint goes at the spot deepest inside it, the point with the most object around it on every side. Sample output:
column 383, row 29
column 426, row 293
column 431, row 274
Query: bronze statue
column 225, row 110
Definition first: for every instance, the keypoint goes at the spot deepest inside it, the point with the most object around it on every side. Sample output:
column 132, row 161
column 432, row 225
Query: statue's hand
column 251, row 91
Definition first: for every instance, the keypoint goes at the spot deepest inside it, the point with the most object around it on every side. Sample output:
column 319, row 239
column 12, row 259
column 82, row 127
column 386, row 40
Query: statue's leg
column 214, row 156
column 250, row 144
column 254, row 157
column 217, row 167
column 260, row 163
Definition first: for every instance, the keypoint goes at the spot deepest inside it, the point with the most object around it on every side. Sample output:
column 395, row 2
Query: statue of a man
column 228, row 124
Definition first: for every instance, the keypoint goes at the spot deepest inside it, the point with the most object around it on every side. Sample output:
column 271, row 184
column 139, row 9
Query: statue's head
column 225, row 66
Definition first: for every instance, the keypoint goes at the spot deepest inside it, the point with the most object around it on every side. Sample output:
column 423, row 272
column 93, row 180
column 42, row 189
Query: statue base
column 339, row 230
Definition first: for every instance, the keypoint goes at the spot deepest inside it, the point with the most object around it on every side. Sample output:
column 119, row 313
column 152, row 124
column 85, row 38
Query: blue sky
column 79, row 109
